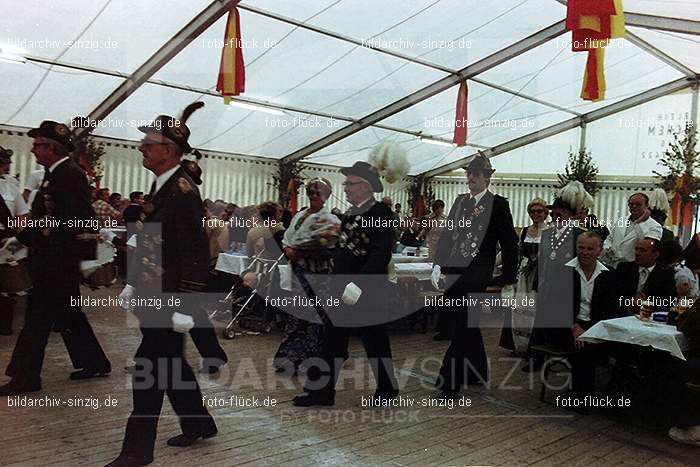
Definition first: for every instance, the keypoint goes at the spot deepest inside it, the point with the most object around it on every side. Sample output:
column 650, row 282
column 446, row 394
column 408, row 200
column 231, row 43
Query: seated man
column 593, row 292
column 644, row 279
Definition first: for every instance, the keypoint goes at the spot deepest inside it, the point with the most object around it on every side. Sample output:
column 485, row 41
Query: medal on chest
column 555, row 244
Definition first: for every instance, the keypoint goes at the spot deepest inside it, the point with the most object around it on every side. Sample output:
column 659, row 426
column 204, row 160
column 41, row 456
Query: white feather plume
column 576, row 196
column 390, row 161
column 659, row 200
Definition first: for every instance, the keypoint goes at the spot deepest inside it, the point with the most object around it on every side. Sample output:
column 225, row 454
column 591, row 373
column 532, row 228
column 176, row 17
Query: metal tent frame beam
column 664, row 57
column 393, row 53
column 245, row 100
column 170, row 49
column 468, row 72
column 641, row 98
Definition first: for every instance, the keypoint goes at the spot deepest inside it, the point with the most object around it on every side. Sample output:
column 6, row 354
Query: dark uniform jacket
column 63, row 198
column 362, row 257
column 471, row 250
column 661, row 282
column 172, row 255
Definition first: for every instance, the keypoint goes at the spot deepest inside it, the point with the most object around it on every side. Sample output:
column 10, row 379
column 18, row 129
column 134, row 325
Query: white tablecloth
column 236, row 264
column 420, row 271
column 630, row 330
column 400, row 259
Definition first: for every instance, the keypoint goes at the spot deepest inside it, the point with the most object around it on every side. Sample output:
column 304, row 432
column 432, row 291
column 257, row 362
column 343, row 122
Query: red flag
column 231, row 81
column 292, row 190
column 460, row 134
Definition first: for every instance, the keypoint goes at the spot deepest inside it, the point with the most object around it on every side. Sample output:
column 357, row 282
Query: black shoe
column 313, row 398
column 441, row 337
column 387, row 395
column 182, row 441
column 128, row 461
column 212, row 365
column 86, row 374
column 18, row 386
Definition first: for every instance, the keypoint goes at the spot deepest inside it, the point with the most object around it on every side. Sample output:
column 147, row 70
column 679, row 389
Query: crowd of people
column 579, row 270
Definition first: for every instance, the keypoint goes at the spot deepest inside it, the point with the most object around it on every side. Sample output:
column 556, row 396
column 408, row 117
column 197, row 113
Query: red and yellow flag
column 231, row 80
column 592, row 24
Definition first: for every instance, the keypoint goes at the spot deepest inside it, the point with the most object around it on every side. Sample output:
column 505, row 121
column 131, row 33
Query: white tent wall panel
column 610, row 201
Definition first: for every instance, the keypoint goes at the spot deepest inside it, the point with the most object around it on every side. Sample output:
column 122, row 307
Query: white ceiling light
column 438, row 142
column 259, row 108
column 11, row 58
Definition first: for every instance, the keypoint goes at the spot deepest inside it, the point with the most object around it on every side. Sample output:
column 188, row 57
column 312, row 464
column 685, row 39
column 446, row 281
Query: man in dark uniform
column 360, row 277
column 466, row 255
column 170, row 261
column 56, row 247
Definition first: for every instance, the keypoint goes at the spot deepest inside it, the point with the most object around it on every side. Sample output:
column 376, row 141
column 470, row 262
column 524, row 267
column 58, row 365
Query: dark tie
column 153, row 189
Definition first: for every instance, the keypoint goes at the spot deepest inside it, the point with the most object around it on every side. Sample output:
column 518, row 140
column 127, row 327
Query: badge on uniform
column 184, row 185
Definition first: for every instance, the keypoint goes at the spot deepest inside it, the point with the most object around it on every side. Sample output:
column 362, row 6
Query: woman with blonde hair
column 517, row 325
column 308, row 245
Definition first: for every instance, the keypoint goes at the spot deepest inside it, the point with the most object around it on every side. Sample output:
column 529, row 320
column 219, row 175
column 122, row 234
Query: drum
column 100, row 272
column 14, row 276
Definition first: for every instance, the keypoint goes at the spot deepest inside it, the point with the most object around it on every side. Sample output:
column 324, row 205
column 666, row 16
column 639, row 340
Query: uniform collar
column 164, row 177
column 57, row 163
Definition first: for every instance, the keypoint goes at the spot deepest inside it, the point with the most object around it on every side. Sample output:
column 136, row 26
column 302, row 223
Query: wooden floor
column 505, row 425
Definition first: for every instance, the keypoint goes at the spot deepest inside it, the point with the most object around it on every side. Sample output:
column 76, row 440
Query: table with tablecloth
column 630, row 330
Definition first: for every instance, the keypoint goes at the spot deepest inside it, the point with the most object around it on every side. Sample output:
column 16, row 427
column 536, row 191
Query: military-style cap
column 366, row 172
column 481, row 163
column 173, row 129
column 55, row 131
column 5, row 155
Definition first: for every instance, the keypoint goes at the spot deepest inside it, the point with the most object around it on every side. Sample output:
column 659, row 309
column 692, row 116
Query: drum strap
column 6, row 216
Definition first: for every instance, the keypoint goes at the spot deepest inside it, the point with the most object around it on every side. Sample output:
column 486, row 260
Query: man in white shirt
column 13, row 210
column 619, row 246
column 593, row 297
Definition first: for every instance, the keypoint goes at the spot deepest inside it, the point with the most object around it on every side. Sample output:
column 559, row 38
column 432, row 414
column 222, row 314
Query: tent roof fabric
column 342, row 75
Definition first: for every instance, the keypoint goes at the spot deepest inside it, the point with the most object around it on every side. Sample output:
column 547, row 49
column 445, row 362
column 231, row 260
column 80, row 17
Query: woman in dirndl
column 308, row 244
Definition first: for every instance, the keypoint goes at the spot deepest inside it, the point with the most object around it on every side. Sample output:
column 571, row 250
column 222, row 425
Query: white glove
column 508, row 292
column 11, row 244
column 182, row 323
column 126, row 295
column 351, row 294
column 435, row 276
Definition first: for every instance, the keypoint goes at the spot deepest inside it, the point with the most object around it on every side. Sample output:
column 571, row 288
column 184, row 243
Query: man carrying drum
column 13, row 210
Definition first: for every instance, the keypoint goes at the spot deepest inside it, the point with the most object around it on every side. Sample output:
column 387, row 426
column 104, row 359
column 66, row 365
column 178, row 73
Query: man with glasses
column 171, row 260
column 55, row 252
column 467, row 254
column 619, row 246
column 360, row 279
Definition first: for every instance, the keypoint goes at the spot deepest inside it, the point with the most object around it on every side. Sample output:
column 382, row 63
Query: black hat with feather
column 173, row 130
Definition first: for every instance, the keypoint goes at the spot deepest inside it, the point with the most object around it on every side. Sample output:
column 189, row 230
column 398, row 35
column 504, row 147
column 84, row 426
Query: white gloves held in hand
column 125, row 296
column 351, row 294
column 182, row 323
column 508, row 291
column 435, row 276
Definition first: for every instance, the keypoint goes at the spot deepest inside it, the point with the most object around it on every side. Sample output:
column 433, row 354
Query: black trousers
column 49, row 308
column 465, row 361
column 161, row 369
column 334, row 352
column 7, row 313
column 204, row 337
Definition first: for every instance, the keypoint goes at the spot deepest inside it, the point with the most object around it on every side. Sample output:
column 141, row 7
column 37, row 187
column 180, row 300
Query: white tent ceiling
column 311, row 59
